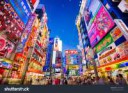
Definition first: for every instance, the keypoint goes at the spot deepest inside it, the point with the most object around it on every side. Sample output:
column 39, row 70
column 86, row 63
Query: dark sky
column 61, row 20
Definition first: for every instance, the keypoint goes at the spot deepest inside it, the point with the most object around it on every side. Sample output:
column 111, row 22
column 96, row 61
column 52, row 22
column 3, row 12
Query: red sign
column 2, row 43
column 71, row 52
column 6, row 47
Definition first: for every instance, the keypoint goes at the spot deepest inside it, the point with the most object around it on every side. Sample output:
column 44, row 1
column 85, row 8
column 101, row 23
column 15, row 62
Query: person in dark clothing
column 110, row 81
column 122, row 81
column 65, row 81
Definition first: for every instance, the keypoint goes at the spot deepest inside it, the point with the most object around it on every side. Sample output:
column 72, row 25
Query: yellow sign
column 71, row 67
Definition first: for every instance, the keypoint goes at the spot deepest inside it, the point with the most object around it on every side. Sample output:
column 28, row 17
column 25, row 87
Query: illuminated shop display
column 100, row 27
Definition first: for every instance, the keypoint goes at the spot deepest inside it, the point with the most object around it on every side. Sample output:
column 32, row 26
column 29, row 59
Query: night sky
column 61, row 20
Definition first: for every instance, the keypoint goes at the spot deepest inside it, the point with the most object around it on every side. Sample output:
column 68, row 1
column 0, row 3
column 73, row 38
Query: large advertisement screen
column 90, row 12
column 100, row 27
column 22, row 9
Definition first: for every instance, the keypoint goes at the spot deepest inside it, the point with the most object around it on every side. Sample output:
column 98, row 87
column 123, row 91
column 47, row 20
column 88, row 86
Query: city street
column 63, row 42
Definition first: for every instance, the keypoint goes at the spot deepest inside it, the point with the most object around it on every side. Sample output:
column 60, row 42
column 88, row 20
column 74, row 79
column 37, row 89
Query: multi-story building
column 73, row 62
column 48, row 64
column 57, row 57
column 12, row 25
column 106, row 26
column 31, row 51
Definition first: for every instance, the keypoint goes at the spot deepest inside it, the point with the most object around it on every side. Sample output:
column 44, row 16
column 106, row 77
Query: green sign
column 104, row 43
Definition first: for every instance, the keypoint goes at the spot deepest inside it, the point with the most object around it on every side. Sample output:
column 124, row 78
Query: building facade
column 104, row 20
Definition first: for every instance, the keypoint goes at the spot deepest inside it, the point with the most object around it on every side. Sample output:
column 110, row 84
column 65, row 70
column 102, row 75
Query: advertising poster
column 22, row 9
column 104, row 43
column 122, row 50
column 6, row 47
column 90, row 12
column 113, row 53
column 116, row 33
column 122, row 27
column 25, row 34
column 107, row 55
column 100, row 27
column 74, row 59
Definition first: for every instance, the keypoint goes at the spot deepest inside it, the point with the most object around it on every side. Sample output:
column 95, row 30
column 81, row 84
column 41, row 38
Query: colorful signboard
column 71, row 59
column 74, row 59
column 106, row 56
column 113, row 53
column 116, row 33
column 122, row 27
column 75, row 67
column 6, row 47
column 5, row 65
column 71, row 52
column 101, row 26
column 91, row 9
column 104, row 43
column 26, row 34
column 49, row 51
column 22, row 9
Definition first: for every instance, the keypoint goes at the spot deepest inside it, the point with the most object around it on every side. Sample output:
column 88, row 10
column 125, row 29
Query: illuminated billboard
column 6, row 47
column 22, row 9
column 102, row 24
column 91, row 9
column 71, row 56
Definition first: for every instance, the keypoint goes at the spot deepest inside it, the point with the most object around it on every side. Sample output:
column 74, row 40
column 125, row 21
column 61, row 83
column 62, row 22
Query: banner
column 25, row 34
column 104, row 43
column 75, row 67
column 122, row 27
column 10, row 23
column 100, row 27
column 91, row 9
column 113, row 53
column 22, row 9
column 116, row 33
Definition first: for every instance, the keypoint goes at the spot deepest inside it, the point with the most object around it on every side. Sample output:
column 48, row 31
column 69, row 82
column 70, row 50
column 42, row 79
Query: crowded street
column 64, row 42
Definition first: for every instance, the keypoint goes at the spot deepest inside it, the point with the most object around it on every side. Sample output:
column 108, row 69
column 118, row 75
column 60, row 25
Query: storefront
column 17, row 69
column 113, row 69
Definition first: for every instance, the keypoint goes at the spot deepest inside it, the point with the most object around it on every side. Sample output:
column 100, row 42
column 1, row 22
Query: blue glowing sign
column 22, row 9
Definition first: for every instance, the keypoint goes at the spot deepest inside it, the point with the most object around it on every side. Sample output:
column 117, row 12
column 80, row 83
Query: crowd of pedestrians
column 80, row 80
